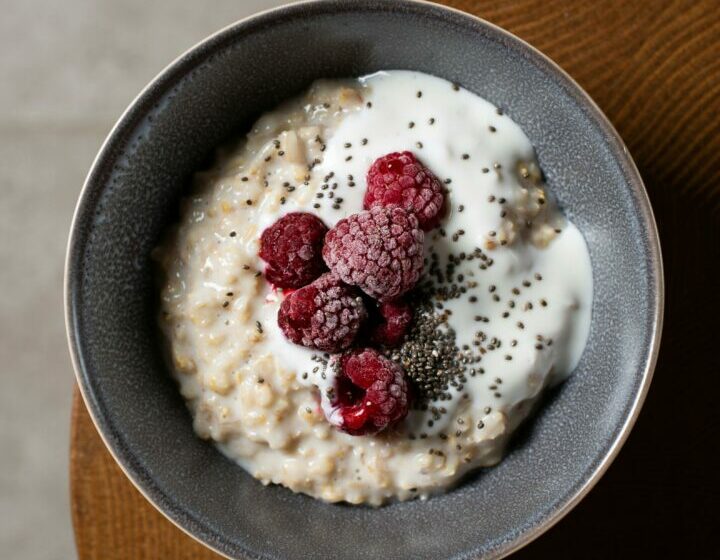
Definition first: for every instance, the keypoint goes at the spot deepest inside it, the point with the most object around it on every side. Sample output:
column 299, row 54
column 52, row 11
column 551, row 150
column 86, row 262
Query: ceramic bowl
column 214, row 92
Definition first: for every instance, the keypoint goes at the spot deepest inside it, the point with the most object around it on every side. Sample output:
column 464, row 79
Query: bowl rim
column 196, row 54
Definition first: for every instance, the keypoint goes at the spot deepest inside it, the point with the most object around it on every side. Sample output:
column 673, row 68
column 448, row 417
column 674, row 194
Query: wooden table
column 653, row 66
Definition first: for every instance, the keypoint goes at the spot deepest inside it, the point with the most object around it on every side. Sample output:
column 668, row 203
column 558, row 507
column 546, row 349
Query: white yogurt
column 274, row 427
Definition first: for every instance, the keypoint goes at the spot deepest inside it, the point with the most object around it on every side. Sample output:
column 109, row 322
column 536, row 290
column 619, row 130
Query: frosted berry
column 325, row 315
column 399, row 178
column 379, row 250
column 370, row 393
column 292, row 249
column 391, row 322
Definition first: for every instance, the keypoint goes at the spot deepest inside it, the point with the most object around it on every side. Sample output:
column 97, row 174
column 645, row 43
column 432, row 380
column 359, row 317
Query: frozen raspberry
column 399, row 178
column 325, row 315
column 392, row 322
column 371, row 392
column 292, row 247
column 379, row 250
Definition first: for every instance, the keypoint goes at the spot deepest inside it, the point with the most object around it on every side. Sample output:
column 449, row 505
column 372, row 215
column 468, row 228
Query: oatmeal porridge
column 477, row 297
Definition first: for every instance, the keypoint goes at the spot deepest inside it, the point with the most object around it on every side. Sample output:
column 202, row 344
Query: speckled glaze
column 215, row 91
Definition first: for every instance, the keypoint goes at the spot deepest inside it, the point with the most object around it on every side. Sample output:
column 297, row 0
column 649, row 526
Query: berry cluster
column 373, row 257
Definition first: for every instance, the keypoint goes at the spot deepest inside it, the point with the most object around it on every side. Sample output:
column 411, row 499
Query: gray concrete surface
column 67, row 70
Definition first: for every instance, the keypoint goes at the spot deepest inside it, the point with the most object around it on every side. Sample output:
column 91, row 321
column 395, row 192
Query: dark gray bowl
column 215, row 91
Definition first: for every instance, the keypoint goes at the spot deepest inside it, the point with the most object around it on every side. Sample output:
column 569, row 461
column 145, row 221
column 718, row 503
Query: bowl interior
column 214, row 93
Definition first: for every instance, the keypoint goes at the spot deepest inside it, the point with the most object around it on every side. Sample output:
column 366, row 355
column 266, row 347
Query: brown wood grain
column 112, row 520
column 653, row 66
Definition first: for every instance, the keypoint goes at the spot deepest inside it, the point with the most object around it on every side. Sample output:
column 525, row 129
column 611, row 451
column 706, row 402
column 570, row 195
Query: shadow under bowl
column 215, row 91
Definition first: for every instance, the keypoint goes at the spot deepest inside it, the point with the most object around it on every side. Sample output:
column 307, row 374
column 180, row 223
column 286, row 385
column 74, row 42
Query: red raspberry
column 325, row 315
column 399, row 178
column 379, row 250
column 292, row 247
column 394, row 321
column 371, row 392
